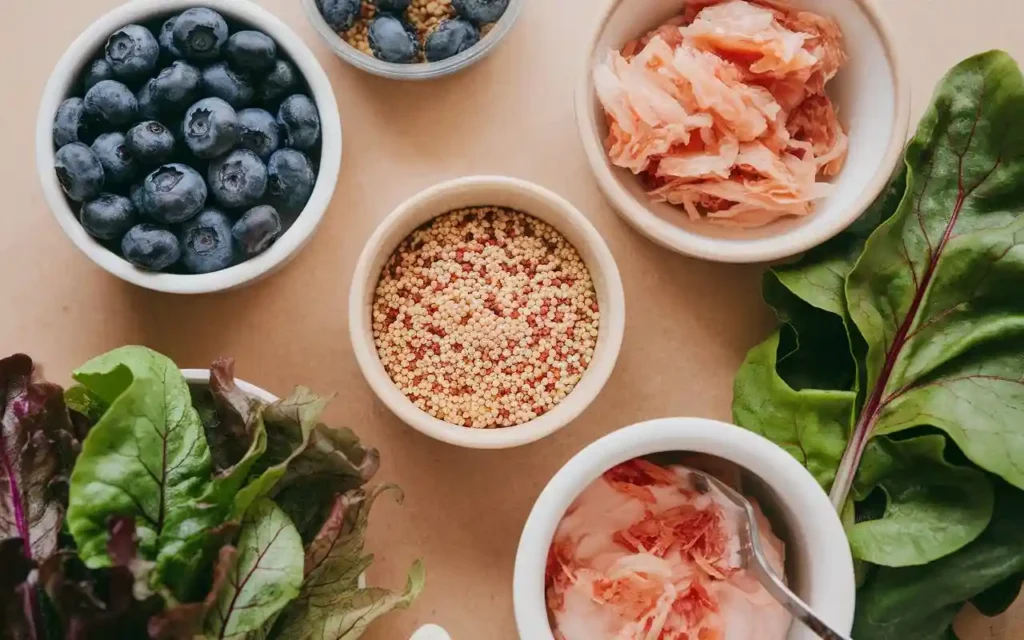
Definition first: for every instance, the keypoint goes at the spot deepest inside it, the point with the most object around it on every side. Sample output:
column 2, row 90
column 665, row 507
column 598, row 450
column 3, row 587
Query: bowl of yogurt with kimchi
column 742, row 130
column 625, row 544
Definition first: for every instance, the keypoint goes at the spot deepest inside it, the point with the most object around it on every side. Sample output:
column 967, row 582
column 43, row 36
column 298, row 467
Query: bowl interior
column 419, row 70
column 65, row 78
column 818, row 564
column 539, row 203
column 864, row 91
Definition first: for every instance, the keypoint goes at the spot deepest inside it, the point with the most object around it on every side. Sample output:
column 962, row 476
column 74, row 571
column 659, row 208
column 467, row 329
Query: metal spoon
column 753, row 559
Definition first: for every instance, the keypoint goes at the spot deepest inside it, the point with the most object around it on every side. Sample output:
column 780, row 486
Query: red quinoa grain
column 485, row 317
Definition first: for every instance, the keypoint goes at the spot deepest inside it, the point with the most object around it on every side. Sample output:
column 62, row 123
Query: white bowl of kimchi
column 747, row 130
column 801, row 532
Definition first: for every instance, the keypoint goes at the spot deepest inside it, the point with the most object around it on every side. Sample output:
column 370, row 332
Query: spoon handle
column 796, row 607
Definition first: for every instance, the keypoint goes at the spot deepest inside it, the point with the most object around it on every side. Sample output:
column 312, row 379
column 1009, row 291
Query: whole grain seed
column 485, row 317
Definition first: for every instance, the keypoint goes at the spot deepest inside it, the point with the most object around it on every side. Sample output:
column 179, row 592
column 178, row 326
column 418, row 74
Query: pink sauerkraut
column 643, row 555
column 723, row 110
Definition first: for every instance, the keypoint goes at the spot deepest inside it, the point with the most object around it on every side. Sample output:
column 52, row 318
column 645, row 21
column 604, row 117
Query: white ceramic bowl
column 819, row 566
column 872, row 95
column 82, row 51
column 420, row 70
column 483, row 191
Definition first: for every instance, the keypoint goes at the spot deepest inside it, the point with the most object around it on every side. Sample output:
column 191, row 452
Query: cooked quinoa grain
column 485, row 317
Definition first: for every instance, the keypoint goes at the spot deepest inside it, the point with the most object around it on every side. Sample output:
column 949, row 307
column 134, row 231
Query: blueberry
column 339, row 15
column 199, row 33
column 79, row 171
column 206, row 242
column 280, row 82
column 449, row 38
column 173, row 193
column 290, row 180
column 119, row 164
column 135, row 195
column 251, row 52
column 147, row 106
column 166, row 39
column 132, row 52
column 108, row 216
column 112, row 102
column 148, row 246
column 221, row 82
column 150, row 142
column 176, row 87
column 299, row 122
column 258, row 130
column 256, row 230
column 70, row 124
column 98, row 70
column 210, row 127
column 238, row 179
column 391, row 41
column 391, row 6
column 480, row 12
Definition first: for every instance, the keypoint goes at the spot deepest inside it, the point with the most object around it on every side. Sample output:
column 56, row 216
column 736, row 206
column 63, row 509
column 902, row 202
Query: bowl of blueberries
column 188, row 146
column 412, row 39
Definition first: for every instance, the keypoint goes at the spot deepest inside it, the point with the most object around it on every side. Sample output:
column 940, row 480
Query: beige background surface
column 689, row 322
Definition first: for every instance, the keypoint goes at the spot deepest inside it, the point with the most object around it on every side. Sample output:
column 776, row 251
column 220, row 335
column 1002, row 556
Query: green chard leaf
column 932, row 508
column 146, row 458
column 794, row 388
column 266, row 574
column 331, row 604
column 921, row 602
column 934, row 293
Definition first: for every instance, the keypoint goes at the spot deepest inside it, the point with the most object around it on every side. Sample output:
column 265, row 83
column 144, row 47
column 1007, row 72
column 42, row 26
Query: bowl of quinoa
column 421, row 18
column 486, row 312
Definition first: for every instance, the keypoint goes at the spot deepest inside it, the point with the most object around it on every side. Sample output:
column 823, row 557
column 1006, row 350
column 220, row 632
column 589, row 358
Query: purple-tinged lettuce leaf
column 302, row 451
column 20, row 616
column 264, row 577
column 113, row 602
column 237, row 436
column 331, row 604
column 37, row 449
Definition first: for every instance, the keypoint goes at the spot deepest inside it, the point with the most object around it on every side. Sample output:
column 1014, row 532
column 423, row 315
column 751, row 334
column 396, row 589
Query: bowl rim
column 830, row 563
column 677, row 239
column 420, row 70
column 306, row 223
column 613, row 315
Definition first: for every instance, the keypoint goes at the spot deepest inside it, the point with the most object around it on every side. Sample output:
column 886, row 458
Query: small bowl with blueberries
column 189, row 146
column 412, row 39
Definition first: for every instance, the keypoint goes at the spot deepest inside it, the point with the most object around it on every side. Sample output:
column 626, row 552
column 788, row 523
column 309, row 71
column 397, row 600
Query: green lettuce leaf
column 146, row 458
column 921, row 602
column 266, row 575
column 331, row 604
column 932, row 507
column 37, row 450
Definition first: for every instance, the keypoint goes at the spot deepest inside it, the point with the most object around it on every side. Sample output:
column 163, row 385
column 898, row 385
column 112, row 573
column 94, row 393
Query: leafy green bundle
column 132, row 506
column 897, row 373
